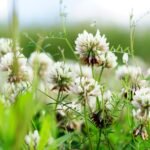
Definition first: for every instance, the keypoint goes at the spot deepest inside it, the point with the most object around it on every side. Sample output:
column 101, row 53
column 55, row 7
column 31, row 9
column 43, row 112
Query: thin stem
column 132, row 33
column 100, row 75
column 92, row 68
column 99, row 139
column 57, row 100
column 87, row 127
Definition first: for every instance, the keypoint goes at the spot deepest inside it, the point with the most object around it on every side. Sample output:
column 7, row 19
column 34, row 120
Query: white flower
column 16, row 67
column 140, row 114
column 86, row 87
column 60, row 76
column 6, row 46
column 41, row 62
column 32, row 138
column 111, row 60
column 18, row 75
column 125, row 58
column 27, row 139
column 91, row 49
column 131, row 72
column 63, row 108
column 142, row 96
column 36, row 136
column 141, row 103
column 79, row 71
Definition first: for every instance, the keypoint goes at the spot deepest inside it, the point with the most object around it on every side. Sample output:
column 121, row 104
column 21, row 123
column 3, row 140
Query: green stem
column 100, row 75
column 92, row 68
column 57, row 100
column 87, row 127
column 99, row 139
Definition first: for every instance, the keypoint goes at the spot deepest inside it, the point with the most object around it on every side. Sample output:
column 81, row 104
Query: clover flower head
column 110, row 60
column 18, row 75
column 80, row 70
column 86, row 87
column 60, row 76
column 131, row 72
column 6, row 46
column 16, row 67
column 42, row 62
column 91, row 49
column 141, row 103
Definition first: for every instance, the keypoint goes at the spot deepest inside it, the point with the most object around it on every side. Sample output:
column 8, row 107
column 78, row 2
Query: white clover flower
column 130, row 72
column 140, row 114
column 141, row 103
column 107, row 96
column 79, row 71
column 86, row 87
column 18, row 75
column 32, row 138
column 6, row 62
column 125, row 58
column 60, row 76
column 63, row 108
column 142, row 96
column 6, row 46
column 42, row 62
column 110, row 60
column 91, row 49
column 11, row 90
column 17, row 68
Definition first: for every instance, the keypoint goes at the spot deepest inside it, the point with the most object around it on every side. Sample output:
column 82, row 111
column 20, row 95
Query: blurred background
column 44, row 17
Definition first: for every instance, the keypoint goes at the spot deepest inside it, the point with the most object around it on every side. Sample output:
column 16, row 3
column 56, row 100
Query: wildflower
column 32, row 139
column 40, row 62
column 18, row 75
column 110, row 60
column 130, row 72
column 86, row 87
column 141, row 103
column 125, row 58
column 142, row 97
column 80, row 71
column 6, row 46
column 60, row 77
column 18, row 69
column 65, row 110
column 107, row 96
column 91, row 49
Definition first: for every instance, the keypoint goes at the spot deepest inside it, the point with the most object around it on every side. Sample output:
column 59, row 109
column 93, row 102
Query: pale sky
column 43, row 12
